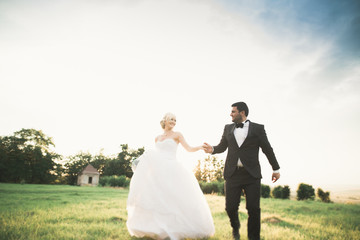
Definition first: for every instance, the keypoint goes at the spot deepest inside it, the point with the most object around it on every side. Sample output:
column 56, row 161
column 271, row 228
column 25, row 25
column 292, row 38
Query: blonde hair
column 166, row 117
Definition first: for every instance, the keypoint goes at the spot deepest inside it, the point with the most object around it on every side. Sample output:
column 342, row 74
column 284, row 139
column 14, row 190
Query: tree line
column 28, row 156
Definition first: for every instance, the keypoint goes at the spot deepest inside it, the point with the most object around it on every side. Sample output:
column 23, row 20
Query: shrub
column 212, row 187
column 221, row 187
column 277, row 192
column 126, row 181
column 103, row 181
column 305, row 191
column 286, row 192
column 282, row 192
column 207, row 187
column 114, row 181
column 265, row 191
column 324, row 196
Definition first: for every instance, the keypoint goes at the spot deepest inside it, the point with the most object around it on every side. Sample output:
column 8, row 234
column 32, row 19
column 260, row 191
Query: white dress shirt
column 240, row 135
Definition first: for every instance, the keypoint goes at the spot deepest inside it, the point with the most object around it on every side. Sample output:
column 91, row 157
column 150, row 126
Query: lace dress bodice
column 168, row 146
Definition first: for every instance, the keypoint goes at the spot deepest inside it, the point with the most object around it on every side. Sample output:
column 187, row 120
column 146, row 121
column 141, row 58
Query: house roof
column 89, row 169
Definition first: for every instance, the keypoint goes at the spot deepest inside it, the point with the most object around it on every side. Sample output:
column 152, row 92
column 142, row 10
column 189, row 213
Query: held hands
column 207, row 148
column 275, row 177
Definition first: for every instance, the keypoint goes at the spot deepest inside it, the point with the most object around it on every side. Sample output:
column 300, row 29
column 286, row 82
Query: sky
column 96, row 74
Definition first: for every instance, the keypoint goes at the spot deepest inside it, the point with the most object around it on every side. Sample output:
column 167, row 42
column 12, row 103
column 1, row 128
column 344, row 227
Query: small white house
column 88, row 177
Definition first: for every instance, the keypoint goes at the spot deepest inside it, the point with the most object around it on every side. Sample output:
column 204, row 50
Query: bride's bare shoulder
column 178, row 135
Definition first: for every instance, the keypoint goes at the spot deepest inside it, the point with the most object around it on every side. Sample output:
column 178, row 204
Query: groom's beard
column 239, row 120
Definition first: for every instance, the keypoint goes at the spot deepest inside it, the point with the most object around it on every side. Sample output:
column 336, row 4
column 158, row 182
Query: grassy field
column 70, row 212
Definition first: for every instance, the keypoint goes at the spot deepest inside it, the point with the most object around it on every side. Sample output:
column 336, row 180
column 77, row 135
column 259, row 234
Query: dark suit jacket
column 248, row 152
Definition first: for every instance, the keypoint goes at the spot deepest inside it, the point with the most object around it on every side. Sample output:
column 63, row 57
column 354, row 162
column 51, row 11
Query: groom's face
column 236, row 115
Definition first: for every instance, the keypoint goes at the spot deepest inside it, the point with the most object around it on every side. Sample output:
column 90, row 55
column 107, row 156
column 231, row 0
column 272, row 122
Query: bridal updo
column 166, row 117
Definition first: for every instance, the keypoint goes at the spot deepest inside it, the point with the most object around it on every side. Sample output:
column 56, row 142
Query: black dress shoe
column 236, row 234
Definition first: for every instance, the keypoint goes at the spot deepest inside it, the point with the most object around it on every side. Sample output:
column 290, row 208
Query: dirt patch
column 272, row 220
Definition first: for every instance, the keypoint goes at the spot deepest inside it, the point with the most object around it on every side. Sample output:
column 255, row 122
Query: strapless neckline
column 167, row 139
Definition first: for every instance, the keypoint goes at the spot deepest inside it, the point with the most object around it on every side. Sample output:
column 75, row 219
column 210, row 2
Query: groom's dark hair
column 241, row 106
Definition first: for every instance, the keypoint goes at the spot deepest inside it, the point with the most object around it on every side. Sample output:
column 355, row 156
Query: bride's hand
column 207, row 148
column 200, row 148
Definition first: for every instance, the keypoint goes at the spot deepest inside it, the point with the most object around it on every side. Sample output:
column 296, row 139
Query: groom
column 242, row 170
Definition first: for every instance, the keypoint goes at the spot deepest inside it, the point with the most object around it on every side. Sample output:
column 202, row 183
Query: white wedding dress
column 165, row 200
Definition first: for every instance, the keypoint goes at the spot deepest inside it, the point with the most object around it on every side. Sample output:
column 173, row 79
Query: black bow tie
column 240, row 125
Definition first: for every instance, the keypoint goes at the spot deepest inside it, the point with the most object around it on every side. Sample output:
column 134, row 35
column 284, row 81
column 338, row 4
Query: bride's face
column 170, row 123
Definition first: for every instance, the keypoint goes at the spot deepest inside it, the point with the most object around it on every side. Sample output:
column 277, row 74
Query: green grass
column 70, row 212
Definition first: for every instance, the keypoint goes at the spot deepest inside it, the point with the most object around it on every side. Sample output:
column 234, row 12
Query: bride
column 165, row 200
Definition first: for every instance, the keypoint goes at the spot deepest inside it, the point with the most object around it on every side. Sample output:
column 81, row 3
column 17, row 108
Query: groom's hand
column 207, row 148
column 275, row 177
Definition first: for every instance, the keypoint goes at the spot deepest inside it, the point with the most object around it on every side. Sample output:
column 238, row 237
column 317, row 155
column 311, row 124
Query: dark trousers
column 239, row 181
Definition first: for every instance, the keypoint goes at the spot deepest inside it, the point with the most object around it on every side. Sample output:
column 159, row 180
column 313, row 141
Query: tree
column 27, row 156
column 197, row 171
column 12, row 160
column 209, row 169
column 59, row 172
column 122, row 164
column 305, row 191
column 34, row 138
column 99, row 161
column 324, row 196
column 218, row 169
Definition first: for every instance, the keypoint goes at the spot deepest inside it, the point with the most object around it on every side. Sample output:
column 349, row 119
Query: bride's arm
column 186, row 145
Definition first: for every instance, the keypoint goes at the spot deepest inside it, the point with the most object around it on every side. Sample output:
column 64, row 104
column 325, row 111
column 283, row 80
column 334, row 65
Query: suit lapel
column 249, row 133
column 250, row 129
column 232, row 129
